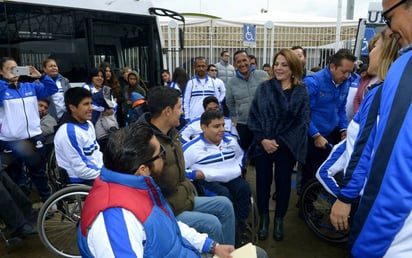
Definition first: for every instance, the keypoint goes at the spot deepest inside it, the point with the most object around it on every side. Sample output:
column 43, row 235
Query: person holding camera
column 20, row 132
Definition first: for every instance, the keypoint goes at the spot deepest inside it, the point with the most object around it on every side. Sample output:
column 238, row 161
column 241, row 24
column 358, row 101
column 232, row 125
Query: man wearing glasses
column 211, row 215
column 212, row 72
column 126, row 215
column 382, row 226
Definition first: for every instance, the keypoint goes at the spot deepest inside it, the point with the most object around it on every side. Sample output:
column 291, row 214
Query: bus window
column 80, row 39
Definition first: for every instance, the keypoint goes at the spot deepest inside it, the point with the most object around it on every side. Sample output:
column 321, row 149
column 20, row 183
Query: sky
column 240, row 8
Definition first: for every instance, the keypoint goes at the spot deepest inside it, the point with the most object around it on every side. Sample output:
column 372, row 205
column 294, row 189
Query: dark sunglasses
column 385, row 13
column 162, row 154
column 212, row 70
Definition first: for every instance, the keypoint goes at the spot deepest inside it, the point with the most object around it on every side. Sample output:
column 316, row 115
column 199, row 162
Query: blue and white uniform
column 382, row 226
column 77, row 151
column 338, row 160
column 19, row 115
column 219, row 163
column 196, row 90
column 193, row 129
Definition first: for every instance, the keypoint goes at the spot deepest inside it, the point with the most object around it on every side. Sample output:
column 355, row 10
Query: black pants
column 238, row 191
column 282, row 162
column 245, row 136
column 316, row 156
column 32, row 153
column 15, row 207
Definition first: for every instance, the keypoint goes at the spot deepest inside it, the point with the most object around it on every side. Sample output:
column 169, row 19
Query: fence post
column 268, row 26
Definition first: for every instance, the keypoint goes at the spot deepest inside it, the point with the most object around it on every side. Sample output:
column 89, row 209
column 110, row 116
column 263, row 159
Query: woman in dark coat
column 279, row 117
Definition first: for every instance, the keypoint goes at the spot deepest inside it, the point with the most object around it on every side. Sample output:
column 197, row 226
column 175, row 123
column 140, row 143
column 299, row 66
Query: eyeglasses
column 385, row 13
column 162, row 154
column 212, row 70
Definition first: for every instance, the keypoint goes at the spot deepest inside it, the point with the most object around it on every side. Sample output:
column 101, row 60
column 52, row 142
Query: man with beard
column 211, row 215
column 125, row 213
column 197, row 88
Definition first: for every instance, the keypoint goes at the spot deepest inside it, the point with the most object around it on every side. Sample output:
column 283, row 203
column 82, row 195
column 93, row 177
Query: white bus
column 81, row 34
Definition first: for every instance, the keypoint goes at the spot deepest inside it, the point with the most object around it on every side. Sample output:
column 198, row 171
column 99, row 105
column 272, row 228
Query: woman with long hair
column 278, row 118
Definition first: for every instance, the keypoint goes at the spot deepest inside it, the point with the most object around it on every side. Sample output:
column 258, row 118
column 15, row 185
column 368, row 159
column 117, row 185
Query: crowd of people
column 175, row 155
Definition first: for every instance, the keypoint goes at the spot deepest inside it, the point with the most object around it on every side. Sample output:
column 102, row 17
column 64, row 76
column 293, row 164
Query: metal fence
column 210, row 37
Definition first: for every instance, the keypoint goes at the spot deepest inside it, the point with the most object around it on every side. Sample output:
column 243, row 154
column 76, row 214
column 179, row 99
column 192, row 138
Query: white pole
column 177, row 45
column 265, row 44
column 172, row 24
column 269, row 26
column 272, row 44
column 169, row 47
column 338, row 25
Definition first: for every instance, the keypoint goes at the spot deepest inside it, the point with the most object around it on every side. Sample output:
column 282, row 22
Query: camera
column 21, row 70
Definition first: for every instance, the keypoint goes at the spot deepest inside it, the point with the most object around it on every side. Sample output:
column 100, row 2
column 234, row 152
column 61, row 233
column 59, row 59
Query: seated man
column 126, row 215
column 47, row 124
column 216, row 159
column 192, row 129
column 211, row 215
column 16, row 211
column 77, row 150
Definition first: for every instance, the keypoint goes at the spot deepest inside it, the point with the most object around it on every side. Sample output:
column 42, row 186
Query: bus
column 81, row 34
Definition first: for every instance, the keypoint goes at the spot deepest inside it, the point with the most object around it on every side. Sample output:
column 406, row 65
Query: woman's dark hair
column 4, row 60
column 113, row 82
column 92, row 73
column 180, row 77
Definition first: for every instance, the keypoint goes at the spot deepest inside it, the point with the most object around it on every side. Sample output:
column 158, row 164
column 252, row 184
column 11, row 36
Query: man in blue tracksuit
column 328, row 91
column 382, row 226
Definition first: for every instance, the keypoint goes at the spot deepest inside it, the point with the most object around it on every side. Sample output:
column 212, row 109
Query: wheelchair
column 59, row 216
column 315, row 207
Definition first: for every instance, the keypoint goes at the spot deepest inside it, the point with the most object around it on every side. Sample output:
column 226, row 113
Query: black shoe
column 278, row 229
column 263, row 226
column 26, row 230
column 245, row 239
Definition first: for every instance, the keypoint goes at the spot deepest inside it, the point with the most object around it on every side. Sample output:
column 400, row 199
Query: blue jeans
column 214, row 216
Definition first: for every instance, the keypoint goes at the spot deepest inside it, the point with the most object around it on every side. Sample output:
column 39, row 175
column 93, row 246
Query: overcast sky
column 240, row 8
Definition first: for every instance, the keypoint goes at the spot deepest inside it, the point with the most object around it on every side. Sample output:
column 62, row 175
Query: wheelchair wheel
column 315, row 205
column 58, row 220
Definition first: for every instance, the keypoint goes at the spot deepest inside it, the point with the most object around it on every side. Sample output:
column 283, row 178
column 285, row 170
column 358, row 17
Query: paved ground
column 298, row 241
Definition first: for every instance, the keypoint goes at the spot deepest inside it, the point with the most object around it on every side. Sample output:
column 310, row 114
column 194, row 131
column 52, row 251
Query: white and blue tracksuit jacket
column 382, row 226
column 196, row 90
column 19, row 111
column 219, row 163
column 77, row 151
column 340, row 155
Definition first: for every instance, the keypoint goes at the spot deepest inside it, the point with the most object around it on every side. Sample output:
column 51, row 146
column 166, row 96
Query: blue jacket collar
column 134, row 181
column 240, row 76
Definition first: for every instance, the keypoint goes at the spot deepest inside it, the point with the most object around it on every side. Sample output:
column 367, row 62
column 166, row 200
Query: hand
column 33, row 72
column 320, row 142
column 343, row 135
column 270, row 146
column 339, row 215
column 223, row 251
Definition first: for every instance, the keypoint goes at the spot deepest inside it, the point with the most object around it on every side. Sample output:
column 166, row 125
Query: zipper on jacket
column 25, row 114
